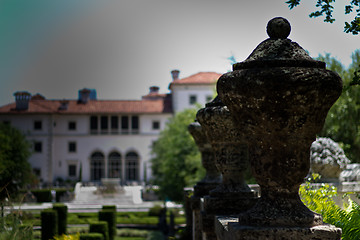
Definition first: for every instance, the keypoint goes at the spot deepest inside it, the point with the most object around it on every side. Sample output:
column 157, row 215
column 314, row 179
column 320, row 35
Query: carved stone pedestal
column 200, row 191
column 233, row 195
column 229, row 228
column 281, row 96
column 226, row 205
column 211, row 180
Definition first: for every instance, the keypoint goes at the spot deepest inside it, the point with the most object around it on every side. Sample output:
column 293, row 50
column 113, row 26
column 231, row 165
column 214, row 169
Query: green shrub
column 15, row 231
column 48, row 224
column 155, row 235
column 91, row 236
column 155, row 211
column 42, row 195
column 59, row 193
column 100, row 227
column 127, row 232
column 109, row 216
column 320, row 200
column 68, row 237
column 61, row 210
column 109, row 207
column 26, row 231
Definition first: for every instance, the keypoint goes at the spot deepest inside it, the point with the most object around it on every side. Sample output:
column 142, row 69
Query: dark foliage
column 15, row 170
column 61, row 210
column 48, row 224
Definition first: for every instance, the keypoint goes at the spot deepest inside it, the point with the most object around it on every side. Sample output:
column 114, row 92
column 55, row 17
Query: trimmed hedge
column 109, row 207
column 44, row 195
column 155, row 211
column 59, row 193
column 100, row 227
column 110, row 217
column 91, row 236
column 48, row 224
column 61, row 210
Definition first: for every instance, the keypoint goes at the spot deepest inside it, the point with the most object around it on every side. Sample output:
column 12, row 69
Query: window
column 132, row 166
column 37, row 125
column 72, row 170
column 124, row 124
column 38, row 147
column 94, row 124
column 97, row 166
column 135, row 124
column 114, row 124
column 104, row 124
column 114, row 165
column 192, row 99
column 72, row 147
column 155, row 125
column 72, row 125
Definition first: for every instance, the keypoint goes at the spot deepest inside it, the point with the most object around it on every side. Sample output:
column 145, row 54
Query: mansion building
column 101, row 138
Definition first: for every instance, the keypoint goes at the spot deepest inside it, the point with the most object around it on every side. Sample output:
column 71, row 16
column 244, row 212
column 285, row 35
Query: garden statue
column 328, row 159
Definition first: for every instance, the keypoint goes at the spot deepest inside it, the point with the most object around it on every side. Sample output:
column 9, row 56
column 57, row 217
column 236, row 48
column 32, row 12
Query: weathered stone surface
column 233, row 195
column 213, row 176
column 208, row 183
column 278, row 28
column 280, row 96
column 230, row 147
column 327, row 158
column 351, row 173
column 229, row 228
column 228, row 205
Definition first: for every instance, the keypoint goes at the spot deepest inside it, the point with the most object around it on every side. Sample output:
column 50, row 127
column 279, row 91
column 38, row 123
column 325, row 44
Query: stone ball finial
column 278, row 28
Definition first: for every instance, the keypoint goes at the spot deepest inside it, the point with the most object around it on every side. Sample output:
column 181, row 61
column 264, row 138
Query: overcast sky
column 122, row 47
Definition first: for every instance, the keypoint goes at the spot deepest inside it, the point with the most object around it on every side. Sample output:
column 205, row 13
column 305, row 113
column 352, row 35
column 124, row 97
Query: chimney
column 22, row 100
column 84, row 95
column 175, row 74
column 38, row 96
column 64, row 104
column 154, row 89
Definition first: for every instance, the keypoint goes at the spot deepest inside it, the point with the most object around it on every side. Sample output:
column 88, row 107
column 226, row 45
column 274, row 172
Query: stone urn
column 231, row 150
column 213, row 176
column 282, row 96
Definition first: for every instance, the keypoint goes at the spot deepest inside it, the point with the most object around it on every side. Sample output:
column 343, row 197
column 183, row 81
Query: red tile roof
column 162, row 105
column 198, row 79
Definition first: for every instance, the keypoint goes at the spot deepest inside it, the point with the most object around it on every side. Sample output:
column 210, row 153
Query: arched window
column 132, row 166
column 97, row 166
column 114, row 165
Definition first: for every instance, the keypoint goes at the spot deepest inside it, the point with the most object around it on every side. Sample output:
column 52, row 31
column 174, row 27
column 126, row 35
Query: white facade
column 188, row 96
column 104, row 143
column 54, row 158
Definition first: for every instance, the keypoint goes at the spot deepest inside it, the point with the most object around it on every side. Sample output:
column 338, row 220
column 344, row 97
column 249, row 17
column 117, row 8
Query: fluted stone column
column 283, row 95
column 233, row 195
column 209, row 182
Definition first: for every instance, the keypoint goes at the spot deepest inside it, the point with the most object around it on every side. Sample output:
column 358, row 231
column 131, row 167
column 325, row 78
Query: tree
column 342, row 123
column 177, row 161
column 15, row 170
column 326, row 9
